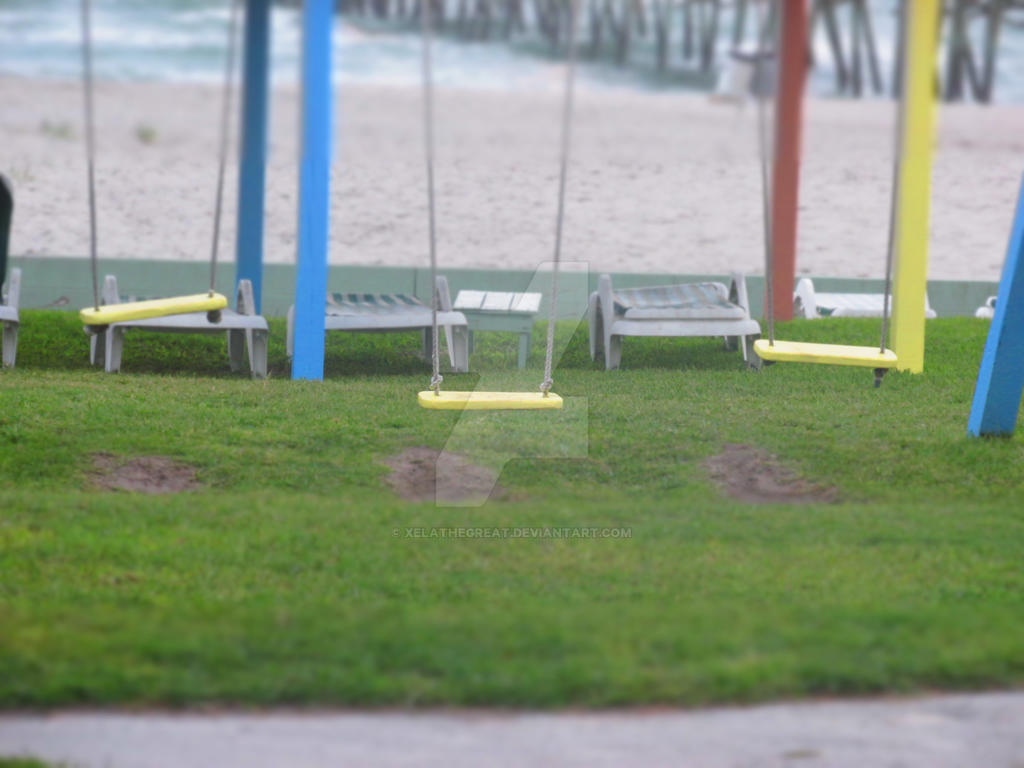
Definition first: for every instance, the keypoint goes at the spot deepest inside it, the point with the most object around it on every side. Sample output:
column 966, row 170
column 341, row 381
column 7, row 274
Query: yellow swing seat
column 141, row 310
column 489, row 401
column 827, row 354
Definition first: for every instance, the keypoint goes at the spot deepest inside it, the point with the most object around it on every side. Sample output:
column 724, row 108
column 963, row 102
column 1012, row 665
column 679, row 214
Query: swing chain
column 762, row 27
column 225, row 126
column 90, row 145
column 894, row 191
column 427, row 17
column 567, row 110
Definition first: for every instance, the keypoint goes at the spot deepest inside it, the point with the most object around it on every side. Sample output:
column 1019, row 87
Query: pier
column 689, row 41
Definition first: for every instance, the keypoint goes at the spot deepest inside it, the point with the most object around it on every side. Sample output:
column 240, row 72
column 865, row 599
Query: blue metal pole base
column 1001, row 378
column 314, row 190
column 252, row 172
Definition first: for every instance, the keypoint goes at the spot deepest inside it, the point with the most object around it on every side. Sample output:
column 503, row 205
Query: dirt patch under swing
column 423, row 474
column 747, row 473
column 143, row 474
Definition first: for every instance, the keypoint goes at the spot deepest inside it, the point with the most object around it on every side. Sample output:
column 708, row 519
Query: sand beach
column 660, row 181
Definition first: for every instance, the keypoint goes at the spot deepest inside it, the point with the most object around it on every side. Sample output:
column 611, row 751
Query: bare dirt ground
column 750, row 474
column 143, row 474
column 414, row 477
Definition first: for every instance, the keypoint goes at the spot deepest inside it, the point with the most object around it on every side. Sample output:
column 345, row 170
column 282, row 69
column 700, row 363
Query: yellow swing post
column 910, row 277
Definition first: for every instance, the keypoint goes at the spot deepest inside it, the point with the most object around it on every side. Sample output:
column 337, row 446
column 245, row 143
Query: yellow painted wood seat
column 826, row 354
column 489, row 401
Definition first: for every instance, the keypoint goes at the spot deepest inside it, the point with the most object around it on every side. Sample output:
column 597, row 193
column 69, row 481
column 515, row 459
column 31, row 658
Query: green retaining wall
column 65, row 282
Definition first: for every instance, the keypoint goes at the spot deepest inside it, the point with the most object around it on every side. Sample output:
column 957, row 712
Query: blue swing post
column 1001, row 378
column 252, row 172
column 314, row 190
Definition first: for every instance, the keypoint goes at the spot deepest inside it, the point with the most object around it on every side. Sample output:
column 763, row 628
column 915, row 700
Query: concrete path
column 962, row 731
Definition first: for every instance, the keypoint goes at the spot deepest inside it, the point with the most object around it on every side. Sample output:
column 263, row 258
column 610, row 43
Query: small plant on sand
column 22, row 173
column 146, row 134
column 59, row 130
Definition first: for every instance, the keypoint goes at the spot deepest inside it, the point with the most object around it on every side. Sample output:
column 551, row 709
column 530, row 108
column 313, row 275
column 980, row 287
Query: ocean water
column 185, row 40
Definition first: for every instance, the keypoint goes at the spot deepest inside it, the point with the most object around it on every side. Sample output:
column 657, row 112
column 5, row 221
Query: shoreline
column 659, row 182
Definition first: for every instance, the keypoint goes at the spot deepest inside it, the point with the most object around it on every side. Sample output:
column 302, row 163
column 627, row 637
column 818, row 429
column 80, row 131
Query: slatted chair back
column 692, row 301
column 374, row 304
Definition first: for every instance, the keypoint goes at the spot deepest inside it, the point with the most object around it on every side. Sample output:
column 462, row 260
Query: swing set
column 906, row 258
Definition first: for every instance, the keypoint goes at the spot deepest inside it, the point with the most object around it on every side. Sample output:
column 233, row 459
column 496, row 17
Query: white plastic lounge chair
column 391, row 312
column 10, row 290
column 812, row 304
column 245, row 331
column 987, row 310
column 688, row 309
column 734, row 82
column 746, row 72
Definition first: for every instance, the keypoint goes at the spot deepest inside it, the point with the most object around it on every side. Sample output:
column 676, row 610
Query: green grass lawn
column 282, row 581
